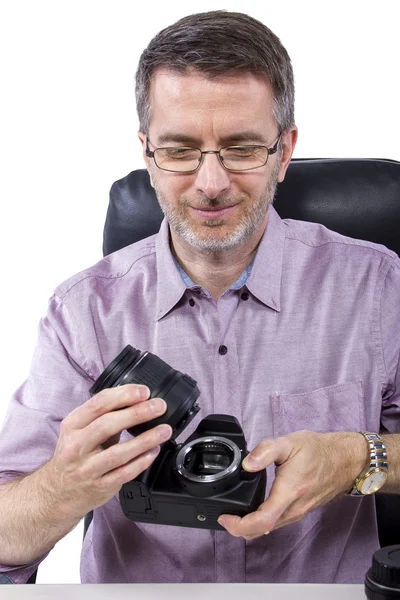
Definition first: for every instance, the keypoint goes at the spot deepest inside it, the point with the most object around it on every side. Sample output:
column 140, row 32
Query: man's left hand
column 311, row 469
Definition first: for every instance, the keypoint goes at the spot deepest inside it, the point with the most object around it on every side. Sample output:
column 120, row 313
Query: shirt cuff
column 21, row 573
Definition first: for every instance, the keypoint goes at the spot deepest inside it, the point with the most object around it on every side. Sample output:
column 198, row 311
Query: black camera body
column 193, row 483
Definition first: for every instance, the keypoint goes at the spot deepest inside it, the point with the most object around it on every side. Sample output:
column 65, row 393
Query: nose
column 211, row 177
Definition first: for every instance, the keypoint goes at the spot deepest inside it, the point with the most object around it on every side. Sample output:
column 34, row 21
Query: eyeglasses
column 185, row 159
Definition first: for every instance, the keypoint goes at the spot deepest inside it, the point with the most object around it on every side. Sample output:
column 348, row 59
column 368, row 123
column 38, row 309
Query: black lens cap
column 383, row 578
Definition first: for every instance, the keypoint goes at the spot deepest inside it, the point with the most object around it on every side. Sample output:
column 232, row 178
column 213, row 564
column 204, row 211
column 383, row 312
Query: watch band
column 378, row 464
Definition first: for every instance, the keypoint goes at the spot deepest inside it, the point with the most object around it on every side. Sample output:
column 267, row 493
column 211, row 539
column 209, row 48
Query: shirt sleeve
column 57, row 383
column 390, row 336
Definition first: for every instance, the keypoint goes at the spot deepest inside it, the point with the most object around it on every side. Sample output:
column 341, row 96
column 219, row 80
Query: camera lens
column 179, row 391
column 208, row 459
column 382, row 581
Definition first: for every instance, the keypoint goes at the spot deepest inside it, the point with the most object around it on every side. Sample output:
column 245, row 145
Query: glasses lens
column 177, row 159
column 242, row 158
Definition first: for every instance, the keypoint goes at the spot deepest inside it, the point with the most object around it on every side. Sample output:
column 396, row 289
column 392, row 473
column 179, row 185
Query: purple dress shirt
column 312, row 341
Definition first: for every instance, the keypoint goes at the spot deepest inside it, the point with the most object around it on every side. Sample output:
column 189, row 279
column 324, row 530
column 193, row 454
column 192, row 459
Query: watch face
column 373, row 482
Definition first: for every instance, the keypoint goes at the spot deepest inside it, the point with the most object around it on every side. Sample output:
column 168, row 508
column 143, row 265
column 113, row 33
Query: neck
column 215, row 271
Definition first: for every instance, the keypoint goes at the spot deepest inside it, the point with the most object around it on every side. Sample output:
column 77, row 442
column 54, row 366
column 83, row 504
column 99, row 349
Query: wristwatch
column 374, row 476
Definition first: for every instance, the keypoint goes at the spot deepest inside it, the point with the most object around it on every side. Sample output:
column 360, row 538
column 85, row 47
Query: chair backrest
column 356, row 197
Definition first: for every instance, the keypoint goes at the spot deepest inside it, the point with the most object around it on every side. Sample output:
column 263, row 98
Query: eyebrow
column 181, row 138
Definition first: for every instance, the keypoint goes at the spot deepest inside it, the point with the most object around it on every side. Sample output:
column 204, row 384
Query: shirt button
column 245, row 296
column 192, row 302
column 222, row 349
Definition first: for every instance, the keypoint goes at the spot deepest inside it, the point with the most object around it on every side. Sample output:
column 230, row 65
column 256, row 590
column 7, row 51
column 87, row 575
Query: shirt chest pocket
column 334, row 408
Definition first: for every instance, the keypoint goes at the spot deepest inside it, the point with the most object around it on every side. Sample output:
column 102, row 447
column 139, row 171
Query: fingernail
column 157, row 405
column 142, row 392
column 266, row 532
column 164, row 431
column 251, row 462
column 154, row 451
column 221, row 522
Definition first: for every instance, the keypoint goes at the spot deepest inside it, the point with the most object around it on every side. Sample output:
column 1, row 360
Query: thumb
column 267, row 452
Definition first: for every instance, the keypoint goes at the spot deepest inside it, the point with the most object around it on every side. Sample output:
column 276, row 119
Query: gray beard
column 245, row 229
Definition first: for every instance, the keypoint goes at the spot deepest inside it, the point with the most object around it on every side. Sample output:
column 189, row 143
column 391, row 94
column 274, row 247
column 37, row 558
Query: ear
column 289, row 139
column 142, row 137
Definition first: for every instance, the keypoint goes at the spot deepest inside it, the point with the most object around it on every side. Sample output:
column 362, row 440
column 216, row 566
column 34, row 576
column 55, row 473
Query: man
column 290, row 327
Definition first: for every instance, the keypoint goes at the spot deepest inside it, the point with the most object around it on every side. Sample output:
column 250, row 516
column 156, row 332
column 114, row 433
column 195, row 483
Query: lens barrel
column 179, row 391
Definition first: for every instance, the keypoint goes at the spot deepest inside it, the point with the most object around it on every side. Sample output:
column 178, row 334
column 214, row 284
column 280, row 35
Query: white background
column 68, row 130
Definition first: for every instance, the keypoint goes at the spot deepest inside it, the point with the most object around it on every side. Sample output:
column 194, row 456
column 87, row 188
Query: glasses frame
column 270, row 150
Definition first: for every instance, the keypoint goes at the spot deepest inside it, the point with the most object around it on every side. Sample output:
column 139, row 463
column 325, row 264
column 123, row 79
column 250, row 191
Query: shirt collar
column 239, row 283
column 262, row 277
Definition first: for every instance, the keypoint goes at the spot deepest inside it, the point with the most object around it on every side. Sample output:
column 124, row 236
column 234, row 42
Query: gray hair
column 215, row 44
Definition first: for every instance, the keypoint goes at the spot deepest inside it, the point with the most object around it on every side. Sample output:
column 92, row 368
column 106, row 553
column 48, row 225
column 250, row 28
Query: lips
column 212, row 208
column 213, row 211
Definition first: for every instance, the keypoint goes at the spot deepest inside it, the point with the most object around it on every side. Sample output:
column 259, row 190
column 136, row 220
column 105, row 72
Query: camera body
column 189, row 484
column 193, row 483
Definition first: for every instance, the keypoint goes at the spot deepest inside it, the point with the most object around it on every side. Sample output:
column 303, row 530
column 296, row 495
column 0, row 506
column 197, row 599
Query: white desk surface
column 183, row 591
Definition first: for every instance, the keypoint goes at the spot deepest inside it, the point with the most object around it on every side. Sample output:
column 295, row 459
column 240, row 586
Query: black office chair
column 356, row 197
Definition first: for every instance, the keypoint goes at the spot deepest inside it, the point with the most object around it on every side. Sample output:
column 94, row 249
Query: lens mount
column 214, row 453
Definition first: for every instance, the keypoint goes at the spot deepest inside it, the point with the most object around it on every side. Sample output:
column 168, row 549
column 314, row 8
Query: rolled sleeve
column 57, row 383
column 21, row 573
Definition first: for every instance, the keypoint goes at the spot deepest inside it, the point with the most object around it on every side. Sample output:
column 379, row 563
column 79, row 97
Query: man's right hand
column 88, row 468
column 89, row 464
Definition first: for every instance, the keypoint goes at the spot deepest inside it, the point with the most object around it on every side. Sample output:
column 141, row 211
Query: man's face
column 214, row 209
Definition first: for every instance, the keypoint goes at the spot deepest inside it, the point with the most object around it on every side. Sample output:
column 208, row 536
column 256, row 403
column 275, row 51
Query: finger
column 130, row 470
column 113, row 423
column 252, row 525
column 256, row 523
column 256, row 535
column 123, row 454
column 267, row 452
column 104, row 402
column 264, row 519
column 283, row 522
column 300, row 508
